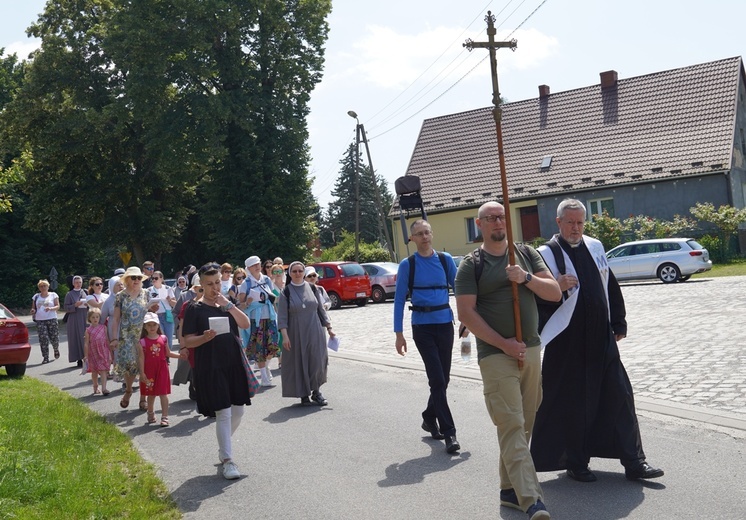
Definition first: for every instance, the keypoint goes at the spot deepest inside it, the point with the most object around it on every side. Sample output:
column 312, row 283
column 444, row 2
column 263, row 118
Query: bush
column 345, row 250
column 606, row 229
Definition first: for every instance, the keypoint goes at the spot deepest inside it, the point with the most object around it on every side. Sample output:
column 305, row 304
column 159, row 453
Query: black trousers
column 435, row 344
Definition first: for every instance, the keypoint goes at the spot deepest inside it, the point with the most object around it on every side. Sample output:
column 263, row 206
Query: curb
column 658, row 406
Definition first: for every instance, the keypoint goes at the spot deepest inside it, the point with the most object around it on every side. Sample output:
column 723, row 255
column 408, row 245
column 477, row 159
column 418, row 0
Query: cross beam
column 492, row 46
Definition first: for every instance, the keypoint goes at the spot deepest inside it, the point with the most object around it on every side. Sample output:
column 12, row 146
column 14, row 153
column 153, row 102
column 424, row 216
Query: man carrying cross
column 512, row 394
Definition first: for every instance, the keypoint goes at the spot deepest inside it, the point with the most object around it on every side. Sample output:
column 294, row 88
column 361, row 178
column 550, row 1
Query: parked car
column 345, row 282
column 670, row 259
column 382, row 279
column 14, row 346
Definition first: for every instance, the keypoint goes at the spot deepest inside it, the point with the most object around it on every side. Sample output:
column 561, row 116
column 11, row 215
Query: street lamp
column 360, row 131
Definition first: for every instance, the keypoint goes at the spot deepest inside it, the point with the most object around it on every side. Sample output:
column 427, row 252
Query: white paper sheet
column 220, row 324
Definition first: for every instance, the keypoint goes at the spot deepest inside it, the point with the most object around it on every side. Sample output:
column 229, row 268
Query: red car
column 14, row 346
column 345, row 282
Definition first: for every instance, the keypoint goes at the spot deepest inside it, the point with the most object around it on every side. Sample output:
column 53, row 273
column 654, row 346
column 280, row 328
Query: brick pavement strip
column 685, row 348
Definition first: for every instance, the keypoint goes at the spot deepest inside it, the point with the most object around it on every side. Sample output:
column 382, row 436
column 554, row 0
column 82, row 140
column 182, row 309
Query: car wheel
column 684, row 278
column 16, row 370
column 361, row 302
column 668, row 273
column 334, row 299
column 377, row 294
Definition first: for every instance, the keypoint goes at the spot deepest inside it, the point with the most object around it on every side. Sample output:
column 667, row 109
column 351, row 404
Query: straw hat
column 132, row 271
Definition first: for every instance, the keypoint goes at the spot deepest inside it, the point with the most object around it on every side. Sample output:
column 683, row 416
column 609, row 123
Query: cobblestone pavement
column 686, row 342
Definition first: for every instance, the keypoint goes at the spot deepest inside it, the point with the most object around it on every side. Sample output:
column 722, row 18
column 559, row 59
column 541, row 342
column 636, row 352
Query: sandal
column 164, row 420
column 106, row 392
column 143, row 405
column 125, row 402
column 151, row 417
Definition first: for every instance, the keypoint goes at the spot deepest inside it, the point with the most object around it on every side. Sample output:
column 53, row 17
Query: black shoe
column 45, row 361
column 433, row 429
column 317, row 398
column 452, row 445
column 305, row 400
column 644, row 470
column 582, row 475
column 80, row 363
column 508, row 498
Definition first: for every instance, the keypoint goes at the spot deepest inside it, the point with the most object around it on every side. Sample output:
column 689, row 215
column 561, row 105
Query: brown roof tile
column 650, row 127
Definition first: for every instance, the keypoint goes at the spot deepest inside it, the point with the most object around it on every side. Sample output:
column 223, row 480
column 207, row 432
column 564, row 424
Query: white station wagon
column 670, row 259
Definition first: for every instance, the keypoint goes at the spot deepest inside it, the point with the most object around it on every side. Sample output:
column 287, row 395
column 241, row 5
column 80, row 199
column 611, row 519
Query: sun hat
column 132, row 271
column 309, row 270
column 151, row 317
column 252, row 260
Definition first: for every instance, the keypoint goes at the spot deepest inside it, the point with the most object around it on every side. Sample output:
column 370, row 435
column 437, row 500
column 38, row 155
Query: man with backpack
column 426, row 276
column 511, row 369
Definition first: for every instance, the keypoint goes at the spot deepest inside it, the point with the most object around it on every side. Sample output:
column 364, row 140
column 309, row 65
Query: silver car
column 382, row 279
column 670, row 259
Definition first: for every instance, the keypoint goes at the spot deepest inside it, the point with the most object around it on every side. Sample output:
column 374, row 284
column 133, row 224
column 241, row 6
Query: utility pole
column 492, row 46
column 379, row 203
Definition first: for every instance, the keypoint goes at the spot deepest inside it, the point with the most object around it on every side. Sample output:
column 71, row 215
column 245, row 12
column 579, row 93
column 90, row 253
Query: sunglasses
column 136, row 278
column 148, row 268
column 200, row 290
column 240, row 277
column 312, row 276
column 276, row 272
column 156, row 278
column 98, row 283
column 268, row 266
column 208, row 267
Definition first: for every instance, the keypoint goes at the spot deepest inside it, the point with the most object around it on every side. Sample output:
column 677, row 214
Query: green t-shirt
column 495, row 296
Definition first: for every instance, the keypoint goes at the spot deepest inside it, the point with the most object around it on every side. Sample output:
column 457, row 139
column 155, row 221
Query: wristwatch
column 529, row 277
column 228, row 307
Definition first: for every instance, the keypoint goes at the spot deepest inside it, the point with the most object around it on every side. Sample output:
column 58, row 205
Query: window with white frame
column 596, row 207
column 472, row 231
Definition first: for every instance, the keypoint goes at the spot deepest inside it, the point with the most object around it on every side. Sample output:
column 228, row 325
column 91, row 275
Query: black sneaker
column 538, row 512
column 45, row 361
column 508, row 498
column 317, row 398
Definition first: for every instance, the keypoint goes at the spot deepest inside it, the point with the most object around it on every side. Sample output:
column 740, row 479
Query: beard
column 497, row 236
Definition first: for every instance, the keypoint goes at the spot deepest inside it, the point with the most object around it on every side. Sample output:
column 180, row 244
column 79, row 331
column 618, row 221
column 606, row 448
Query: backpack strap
column 424, row 308
column 559, row 259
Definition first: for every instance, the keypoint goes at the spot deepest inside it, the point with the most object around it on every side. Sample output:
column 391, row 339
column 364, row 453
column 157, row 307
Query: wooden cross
column 492, row 46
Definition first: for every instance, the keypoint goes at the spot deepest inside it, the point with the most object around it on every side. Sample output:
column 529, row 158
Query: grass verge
column 735, row 267
column 59, row 459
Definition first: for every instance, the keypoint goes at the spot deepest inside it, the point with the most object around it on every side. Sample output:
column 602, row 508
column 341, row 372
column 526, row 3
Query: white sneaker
column 266, row 379
column 230, row 470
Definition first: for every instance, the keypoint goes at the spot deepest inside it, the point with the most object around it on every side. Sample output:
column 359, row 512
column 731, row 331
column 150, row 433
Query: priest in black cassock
column 588, row 409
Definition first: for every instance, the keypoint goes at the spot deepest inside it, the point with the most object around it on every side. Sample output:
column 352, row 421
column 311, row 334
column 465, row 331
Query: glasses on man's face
column 425, row 233
column 148, row 268
column 493, row 218
column 98, row 283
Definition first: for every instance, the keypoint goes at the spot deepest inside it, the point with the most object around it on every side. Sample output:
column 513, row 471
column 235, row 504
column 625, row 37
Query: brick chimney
column 608, row 79
column 543, row 91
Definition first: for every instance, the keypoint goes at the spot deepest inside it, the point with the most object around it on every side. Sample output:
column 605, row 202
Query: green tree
column 106, row 138
column 341, row 211
column 606, row 229
column 264, row 59
column 11, row 78
column 726, row 219
column 345, row 250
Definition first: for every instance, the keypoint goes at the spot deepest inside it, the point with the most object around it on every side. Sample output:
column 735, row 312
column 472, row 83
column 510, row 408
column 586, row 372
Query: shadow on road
column 414, row 471
column 194, row 491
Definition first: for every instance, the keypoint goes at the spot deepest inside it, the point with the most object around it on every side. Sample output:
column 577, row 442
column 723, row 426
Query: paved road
column 365, row 457
column 685, row 352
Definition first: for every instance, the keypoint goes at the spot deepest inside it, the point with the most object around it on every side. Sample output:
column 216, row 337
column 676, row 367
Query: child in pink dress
column 96, row 350
column 155, row 350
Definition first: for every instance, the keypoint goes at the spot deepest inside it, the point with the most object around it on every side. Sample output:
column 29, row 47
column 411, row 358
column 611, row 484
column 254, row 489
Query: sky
column 396, row 63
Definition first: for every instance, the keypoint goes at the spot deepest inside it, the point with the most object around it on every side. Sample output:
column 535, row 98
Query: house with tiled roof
column 653, row 145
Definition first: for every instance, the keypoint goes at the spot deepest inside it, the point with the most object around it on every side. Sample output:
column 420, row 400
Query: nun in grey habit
column 301, row 318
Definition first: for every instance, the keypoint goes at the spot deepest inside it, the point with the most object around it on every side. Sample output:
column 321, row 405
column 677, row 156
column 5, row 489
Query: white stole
column 561, row 318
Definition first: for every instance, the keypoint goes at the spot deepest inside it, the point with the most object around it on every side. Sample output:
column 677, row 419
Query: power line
column 462, row 77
